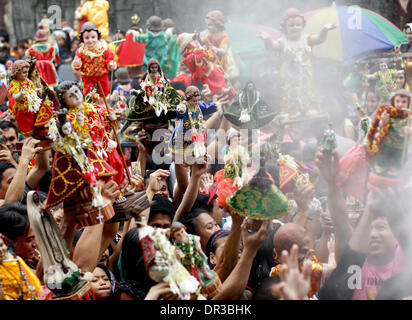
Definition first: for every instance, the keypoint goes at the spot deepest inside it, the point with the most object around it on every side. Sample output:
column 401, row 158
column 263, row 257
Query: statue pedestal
column 211, row 287
column 77, row 294
column 95, row 215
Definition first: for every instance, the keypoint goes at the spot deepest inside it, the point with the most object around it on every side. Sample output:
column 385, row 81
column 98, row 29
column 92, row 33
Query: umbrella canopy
column 359, row 32
column 245, row 41
column 244, row 38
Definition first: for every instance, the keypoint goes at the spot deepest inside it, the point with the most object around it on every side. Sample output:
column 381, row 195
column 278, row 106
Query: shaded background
column 20, row 17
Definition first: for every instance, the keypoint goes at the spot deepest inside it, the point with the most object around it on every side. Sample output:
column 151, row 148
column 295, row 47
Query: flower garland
column 33, row 100
column 246, row 110
column 377, row 134
column 198, row 134
column 152, row 89
column 95, row 52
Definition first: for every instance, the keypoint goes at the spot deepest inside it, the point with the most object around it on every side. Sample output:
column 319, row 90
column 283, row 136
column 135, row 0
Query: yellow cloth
column 113, row 48
column 11, row 279
column 96, row 11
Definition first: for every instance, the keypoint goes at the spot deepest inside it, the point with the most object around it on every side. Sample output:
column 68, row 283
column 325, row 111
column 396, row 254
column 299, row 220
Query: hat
column 88, row 26
column 41, row 35
column 154, row 24
column 122, row 76
column 183, row 40
column 260, row 199
column 168, row 23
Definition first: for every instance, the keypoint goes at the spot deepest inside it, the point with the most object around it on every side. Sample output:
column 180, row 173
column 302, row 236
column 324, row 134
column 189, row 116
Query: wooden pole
column 114, row 127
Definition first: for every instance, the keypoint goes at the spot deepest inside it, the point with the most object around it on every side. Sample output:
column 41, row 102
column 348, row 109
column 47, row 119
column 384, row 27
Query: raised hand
column 111, row 191
column 199, row 169
column 77, row 63
column 253, row 240
column 329, row 27
column 264, row 35
column 29, row 149
column 328, row 165
column 294, row 284
column 303, row 196
column 206, row 181
column 6, row 155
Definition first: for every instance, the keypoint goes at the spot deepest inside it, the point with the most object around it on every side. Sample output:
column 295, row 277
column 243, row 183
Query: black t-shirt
column 340, row 285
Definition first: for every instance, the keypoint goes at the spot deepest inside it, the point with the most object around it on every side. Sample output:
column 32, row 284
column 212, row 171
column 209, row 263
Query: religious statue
column 61, row 275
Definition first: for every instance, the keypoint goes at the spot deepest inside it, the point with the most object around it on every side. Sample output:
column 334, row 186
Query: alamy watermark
column 355, row 20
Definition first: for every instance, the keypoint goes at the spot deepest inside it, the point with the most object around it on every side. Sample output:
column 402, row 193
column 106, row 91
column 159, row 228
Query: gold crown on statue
column 135, row 18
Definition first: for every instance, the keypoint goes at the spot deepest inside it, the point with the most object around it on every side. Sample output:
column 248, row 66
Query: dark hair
column 77, row 234
column 14, row 221
column 67, row 41
column 162, row 205
column 263, row 290
column 5, row 35
column 7, row 125
column 150, row 171
column 132, row 261
column 88, row 29
column 190, row 220
column 381, row 207
column 135, row 82
column 62, row 88
column 23, row 43
column 4, row 165
column 211, row 245
column 201, row 202
column 105, row 269
column 122, row 32
column 179, row 85
column 263, row 261
column 42, row 195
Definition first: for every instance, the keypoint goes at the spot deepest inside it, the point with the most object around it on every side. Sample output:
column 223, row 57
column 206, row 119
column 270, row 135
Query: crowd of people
column 143, row 165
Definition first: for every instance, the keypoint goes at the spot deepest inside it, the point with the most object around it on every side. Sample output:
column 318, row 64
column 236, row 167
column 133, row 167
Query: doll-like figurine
column 32, row 114
column 93, row 59
column 249, row 110
column 235, row 173
column 297, row 92
column 193, row 258
column 215, row 39
column 79, row 19
column 189, row 136
column 156, row 43
column 388, row 141
column 73, row 144
column 328, row 141
column 236, row 161
column 95, row 11
column 156, row 100
column 386, row 82
column 131, row 53
column 61, row 275
column 91, row 124
column 202, row 63
column 46, row 55
column 162, row 263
